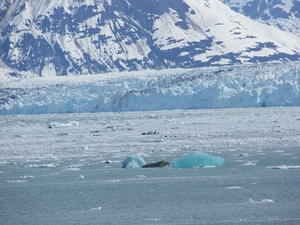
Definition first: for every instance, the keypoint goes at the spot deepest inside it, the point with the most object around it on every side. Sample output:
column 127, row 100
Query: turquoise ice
column 197, row 159
column 133, row 161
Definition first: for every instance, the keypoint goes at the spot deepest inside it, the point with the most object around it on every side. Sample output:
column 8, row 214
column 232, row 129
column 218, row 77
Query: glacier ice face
column 197, row 159
column 263, row 85
column 133, row 161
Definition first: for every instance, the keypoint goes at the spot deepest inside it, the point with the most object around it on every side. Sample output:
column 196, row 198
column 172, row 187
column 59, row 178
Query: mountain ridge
column 88, row 37
column 283, row 14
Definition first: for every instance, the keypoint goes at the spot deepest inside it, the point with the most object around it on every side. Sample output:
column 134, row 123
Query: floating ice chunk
column 113, row 181
column 70, row 123
column 154, row 219
column 73, row 168
column 283, row 167
column 83, row 148
column 15, row 181
column 133, row 162
column 81, row 176
column 249, row 164
column 95, row 209
column 141, row 176
column 197, row 159
column 267, row 200
column 49, row 165
column 234, row 187
column 20, row 136
column 262, row 201
column 27, row 176
column 108, row 161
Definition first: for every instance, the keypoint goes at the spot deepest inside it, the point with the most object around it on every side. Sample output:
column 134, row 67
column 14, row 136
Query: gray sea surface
column 66, row 168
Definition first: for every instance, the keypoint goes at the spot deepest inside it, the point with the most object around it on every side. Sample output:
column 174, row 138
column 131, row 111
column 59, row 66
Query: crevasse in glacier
column 197, row 159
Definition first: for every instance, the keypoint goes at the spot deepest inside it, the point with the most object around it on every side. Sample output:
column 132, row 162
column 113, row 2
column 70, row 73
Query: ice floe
column 133, row 162
column 95, row 209
column 49, row 165
column 283, row 167
column 57, row 125
column 262, row 201
column 197, row 159
column 15, row 181
column 234, row 187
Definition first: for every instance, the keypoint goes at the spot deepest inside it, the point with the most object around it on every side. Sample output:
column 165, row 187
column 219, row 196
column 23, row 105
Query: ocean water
column 67, row 168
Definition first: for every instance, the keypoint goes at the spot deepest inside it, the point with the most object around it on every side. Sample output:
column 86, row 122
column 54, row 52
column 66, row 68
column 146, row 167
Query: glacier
column 197, row 159
column 260, row 85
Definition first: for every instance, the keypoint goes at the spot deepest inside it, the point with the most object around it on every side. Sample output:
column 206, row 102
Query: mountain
column 62, row 37
column 267, row 9
column 284, row 14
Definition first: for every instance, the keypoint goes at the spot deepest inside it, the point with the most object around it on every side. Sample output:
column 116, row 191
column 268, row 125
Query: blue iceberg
column 133, row 161
column 197, row 159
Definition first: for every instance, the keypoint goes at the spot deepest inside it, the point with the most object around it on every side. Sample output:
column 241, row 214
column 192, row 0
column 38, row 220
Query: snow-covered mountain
column 96, row 36
column 284, row 14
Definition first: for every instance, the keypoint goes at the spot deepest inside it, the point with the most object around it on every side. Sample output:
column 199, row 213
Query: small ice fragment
column 56, row 125
column 81, row 176
column 154, row 219
column 249, row 164
column 234, row 187
column 153, row 116
column 279, row 151
column 25, row 177
column 73, row 168
column 262, row 201
column 267, row 200
column 15, row 181
column 113, row 181
column 84, row 148
column 283, row 167
column 108, row 161
column 197, row 159
column 49, row 165
column 20, row 136
column 244, row 154
column 74, row 123
column 133, row 162
column 95, row 209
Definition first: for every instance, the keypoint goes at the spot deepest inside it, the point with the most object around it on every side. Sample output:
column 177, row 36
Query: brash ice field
column 67, row 168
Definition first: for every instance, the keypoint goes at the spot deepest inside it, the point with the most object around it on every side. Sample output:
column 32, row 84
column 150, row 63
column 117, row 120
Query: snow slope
column 51, row 38
column 262, row 85
column 283, row 14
